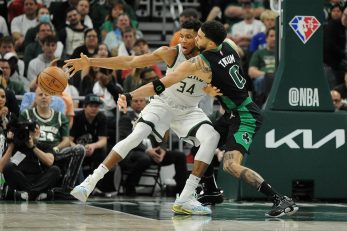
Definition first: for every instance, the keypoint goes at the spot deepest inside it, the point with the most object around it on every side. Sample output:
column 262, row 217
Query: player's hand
column 211, row 90
column 122, row 103
column 54, row 62
column 75, row 65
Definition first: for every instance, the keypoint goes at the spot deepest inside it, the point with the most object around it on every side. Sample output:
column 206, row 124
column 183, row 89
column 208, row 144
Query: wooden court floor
column 150, row 213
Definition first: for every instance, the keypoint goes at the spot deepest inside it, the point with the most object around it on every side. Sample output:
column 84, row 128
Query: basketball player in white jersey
column 175, row 108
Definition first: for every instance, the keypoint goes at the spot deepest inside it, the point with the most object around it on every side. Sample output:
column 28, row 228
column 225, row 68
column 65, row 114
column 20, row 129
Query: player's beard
column 201, row 48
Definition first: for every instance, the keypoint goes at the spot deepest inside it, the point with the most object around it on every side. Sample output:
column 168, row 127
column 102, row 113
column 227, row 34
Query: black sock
column 209, row 183
column 266, row 189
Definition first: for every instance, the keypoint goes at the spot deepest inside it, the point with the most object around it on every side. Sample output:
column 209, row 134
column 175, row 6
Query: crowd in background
column 35, row 34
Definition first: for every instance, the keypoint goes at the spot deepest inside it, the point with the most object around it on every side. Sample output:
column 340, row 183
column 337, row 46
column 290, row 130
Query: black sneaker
column 211, row 198
column 282, row 206
column 21, row 195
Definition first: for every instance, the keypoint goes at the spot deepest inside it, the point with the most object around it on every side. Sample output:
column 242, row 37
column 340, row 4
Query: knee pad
column 208, row 138
column 140, row 132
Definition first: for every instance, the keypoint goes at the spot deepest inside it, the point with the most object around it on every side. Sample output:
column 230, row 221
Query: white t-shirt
column 242, row 29
column 3, row 26
column 22, row 24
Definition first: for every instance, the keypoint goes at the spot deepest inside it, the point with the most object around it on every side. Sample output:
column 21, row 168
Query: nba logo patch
column 304, row 26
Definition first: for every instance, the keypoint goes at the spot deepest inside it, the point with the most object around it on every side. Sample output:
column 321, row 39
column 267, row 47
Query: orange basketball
column 52, row 81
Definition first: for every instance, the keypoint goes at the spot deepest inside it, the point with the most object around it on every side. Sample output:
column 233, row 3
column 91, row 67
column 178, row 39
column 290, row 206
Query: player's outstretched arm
column 119, row 62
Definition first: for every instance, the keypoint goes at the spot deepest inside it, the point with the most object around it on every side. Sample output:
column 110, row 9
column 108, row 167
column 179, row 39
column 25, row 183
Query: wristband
column 128, row 96
column 56, row 149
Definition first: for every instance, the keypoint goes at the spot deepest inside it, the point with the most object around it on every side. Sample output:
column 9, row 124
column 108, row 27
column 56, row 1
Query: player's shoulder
column 166, row 51
column 234, row 46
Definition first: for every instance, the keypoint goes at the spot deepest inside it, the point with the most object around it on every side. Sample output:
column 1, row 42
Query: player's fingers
column 73, row 73
column 70, row 69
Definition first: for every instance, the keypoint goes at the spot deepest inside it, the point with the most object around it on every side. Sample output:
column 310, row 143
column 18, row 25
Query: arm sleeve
column 114, row 90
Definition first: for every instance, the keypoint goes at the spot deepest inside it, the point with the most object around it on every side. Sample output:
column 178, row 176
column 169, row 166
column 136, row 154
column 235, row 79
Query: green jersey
column 227, row 75
column 52, row 129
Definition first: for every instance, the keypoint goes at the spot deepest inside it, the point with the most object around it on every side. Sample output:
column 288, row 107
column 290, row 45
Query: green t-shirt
column 264, row 60
column 52, row 129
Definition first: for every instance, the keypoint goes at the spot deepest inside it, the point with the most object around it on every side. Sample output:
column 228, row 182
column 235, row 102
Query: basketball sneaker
column 282, row 206
column 190, row 207
column 82, row 191
column 211, row 197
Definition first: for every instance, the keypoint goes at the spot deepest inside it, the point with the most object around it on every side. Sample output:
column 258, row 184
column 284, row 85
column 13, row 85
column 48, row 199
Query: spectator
column 116, row 10
column 334, row 43
column 258, row 41
column 59, row 11
column 128, row 41
column 141, row 157
column 10, row 102
column 339, row 104
column 335, row 12
column 108, row 90
column 187, row 14
column 342, row 88
column 7, row 46
column 22, row 23
column 230, row 12
column 55, row 133
column 38, row 64
column 262, row 67
column 43, row 15
column 3, row 27
column 90, row 46
column 331, row 9
column 86, row 81
column 114, row 38
column 16, row 87
column 31, row 171
column 5, row 116
column 33, row 49
column 90, row 130
column 83, row 8
column 72, row 35
column 242, row 32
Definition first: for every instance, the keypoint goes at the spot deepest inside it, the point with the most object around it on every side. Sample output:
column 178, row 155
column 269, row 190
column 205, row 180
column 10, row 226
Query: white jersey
column 186, row 93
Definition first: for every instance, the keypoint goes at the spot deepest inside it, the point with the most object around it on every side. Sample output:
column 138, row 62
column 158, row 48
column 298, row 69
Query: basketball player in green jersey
column 220, row 65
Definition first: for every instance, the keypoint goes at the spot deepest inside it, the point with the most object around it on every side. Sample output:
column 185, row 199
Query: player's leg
column 118, row 152
column 211, row 193
column 282, row 204
column 208, row 139
column 242, row 128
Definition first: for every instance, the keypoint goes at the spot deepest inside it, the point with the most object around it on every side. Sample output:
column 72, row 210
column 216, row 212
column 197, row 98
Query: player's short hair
column 215, row 31
column 191, row 24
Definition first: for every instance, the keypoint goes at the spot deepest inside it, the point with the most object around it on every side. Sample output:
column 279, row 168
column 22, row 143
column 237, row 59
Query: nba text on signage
column 303, row 97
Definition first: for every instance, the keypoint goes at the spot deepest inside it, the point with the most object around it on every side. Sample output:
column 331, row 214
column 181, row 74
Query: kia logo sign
column 307, row 143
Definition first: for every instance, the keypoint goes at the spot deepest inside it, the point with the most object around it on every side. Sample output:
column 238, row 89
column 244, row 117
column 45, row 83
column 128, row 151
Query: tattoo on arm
column 251, row 177
column 200, row 64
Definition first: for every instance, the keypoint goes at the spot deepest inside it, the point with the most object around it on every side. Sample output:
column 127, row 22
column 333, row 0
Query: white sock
column 189, row 189
column 99, row 173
